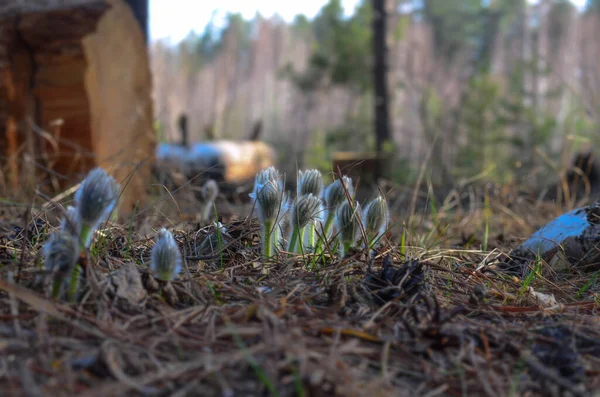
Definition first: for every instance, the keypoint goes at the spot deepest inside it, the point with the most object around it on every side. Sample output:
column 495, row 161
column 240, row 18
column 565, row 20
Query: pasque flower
column 303, row 215
column 209, row 192
column 95, row 200
column 60, row 254
column 310, row 182
column 337, row 193
column 375, row 219
column 347, row 221
column 71, row 222
column 165, row 261
column 271, row 205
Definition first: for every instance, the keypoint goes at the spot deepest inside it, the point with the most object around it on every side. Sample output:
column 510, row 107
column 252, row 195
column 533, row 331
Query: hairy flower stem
column 208, row 207
column 268, row 233
column 329, row 222
column 309, row 235
column 56, row 288
column 373, row 240
column 345, row 248
column 85, row 237
column 320, row 248
column 294, row 240
column 276, row 238
column 74, row 283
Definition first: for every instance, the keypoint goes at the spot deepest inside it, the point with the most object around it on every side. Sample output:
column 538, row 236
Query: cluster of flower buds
column 315, row 212
column 94, row 201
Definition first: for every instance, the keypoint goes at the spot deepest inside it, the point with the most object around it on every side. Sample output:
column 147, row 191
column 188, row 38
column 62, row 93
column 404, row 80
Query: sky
column 174, row 19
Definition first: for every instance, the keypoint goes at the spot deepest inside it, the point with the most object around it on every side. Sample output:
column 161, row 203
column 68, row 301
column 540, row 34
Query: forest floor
column 429, row 315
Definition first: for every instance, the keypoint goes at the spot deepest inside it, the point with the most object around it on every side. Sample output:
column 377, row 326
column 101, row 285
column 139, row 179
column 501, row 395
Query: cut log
column 119, row 87
column 356, row 165
column 225, row 161
column 362, row 168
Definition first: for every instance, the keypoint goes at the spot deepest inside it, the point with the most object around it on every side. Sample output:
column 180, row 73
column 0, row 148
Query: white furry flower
column 335, row 194
column 376, row 218
column 71, row 222
column 270, row 174
column 165, row 257
column 95, row 200
column 306, row 209
column 269, row 201
column 60, row 253
column 210, row 191
column 310, row 182
column 271, row 205
column 347, row 221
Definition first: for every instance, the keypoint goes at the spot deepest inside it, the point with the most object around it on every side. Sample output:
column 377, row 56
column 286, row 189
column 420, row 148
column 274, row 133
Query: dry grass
column 243, row 326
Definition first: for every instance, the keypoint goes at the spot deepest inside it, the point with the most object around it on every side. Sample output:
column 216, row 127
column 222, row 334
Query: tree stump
column 362, row 168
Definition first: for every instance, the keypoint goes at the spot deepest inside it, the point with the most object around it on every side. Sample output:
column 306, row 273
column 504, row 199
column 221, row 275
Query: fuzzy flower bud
column 376, row 216
column 264, row 176
column 95, row 199
column 271, row 205
column 268, row 201
column 70, row 222
column 335, row 194
column 60, row 253
column 310, row 182
column 210, row 191
column 306, row 209
column 165, row 258
column 268, row 174
column 347, row 220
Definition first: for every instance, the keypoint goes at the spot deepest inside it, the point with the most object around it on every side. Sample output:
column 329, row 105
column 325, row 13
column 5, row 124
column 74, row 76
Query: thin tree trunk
column 382, row 119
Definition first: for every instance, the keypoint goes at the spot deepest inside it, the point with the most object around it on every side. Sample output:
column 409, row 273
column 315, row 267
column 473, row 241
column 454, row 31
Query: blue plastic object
column 570, row 241
column 554, row 233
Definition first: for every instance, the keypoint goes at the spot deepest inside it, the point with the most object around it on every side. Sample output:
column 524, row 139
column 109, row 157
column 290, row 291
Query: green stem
column 304, row 244
column 85, row 236
column 74, row 283
column 320, row 248
column 371, row 240
column 207, row 210
column 276, row 238
column 268, row 238
column 294, row 240
column 302, row 239
column 56, row 287
column 329, row 223
column 345, row 247
column 374, row 240
column 311, row 236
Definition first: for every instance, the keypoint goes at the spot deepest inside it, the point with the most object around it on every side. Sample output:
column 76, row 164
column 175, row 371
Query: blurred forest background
column 502, row 90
